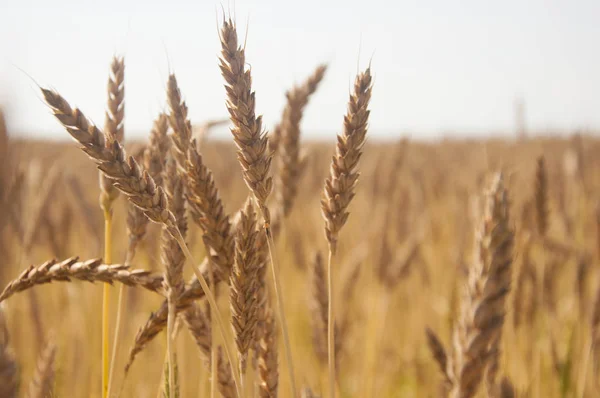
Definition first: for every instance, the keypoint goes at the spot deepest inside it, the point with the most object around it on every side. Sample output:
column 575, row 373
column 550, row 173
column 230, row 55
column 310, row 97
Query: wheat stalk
column 478, row 331
column 253, row 155
column 339, row 190
column 114, row 132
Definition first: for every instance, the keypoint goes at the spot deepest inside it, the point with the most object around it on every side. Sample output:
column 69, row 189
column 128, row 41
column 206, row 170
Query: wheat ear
column 202, row 193
column 291, row 165
column 243, row 300
column 42, row 383
column 173, row 257
column 88, row 271
column 153, row 158
column 267, row 358
column 9, row 369
column 477, row 334
column 340, row 187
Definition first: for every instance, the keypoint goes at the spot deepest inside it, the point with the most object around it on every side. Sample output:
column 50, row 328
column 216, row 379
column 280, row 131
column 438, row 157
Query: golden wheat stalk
column 339, row 190
column 114, row 131
column 478, row 331
column 253, row 154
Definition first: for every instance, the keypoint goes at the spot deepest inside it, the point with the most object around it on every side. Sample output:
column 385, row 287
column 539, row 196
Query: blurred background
column 463, row 68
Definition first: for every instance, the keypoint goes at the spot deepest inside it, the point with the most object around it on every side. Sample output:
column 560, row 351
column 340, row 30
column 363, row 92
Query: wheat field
column 454, row 268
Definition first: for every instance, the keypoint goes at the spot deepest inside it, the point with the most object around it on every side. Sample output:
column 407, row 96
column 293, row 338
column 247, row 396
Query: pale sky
column 439, row 66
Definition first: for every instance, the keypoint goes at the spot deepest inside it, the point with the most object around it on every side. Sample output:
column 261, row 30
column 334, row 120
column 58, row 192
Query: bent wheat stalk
column 87, row 271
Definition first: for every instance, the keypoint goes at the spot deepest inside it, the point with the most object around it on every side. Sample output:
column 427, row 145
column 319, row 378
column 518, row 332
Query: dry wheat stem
column 158, row 320
column 114, row 133
column 213, row 307
column 339, row 189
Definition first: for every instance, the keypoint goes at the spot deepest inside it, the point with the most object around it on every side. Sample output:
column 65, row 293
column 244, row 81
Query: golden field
column 465, row 268
column 408, row 193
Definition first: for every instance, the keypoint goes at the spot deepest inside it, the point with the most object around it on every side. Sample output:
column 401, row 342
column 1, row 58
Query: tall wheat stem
column 115, row 349
column 281, row 311
column 213, row 349
column 330, row 327
column 213, row 306
column 106, row 302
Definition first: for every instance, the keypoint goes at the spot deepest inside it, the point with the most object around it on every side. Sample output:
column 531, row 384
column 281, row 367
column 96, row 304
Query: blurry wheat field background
column 507, row 228
column 427, row 199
